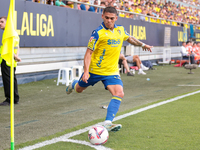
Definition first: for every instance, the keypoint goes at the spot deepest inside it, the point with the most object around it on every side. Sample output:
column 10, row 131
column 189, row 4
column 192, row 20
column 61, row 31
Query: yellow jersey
column 106, row 46
column 174, row 23
column 16, row 45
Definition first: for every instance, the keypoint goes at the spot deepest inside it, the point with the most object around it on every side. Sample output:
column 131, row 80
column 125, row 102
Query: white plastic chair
column 80, row 71
column 65, row 76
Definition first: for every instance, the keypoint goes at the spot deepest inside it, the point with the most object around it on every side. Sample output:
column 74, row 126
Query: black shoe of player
column 4, row 103
column 130, row 74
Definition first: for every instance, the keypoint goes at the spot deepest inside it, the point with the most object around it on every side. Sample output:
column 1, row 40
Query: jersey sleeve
column 126, row 35
column 16, row 41
column 16, row 44
column 93, row 40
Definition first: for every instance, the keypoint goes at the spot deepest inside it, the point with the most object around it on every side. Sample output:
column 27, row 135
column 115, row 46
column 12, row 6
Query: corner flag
column 9, row 34
column 8, row 55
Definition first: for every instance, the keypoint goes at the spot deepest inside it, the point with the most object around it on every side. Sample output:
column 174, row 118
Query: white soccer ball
column 98, row 135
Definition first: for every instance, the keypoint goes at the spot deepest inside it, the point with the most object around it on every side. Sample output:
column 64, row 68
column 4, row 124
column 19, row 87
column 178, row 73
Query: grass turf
column 173, row 126
column 45, row 111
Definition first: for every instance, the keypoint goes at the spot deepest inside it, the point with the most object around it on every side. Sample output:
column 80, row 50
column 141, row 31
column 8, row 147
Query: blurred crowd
column 169, row 11
column 191, row 2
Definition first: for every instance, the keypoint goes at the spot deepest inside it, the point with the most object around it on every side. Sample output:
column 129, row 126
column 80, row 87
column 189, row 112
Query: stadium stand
column 173, row 11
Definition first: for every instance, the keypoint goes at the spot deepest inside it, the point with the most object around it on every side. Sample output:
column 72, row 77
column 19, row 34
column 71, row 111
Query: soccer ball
column 98, row 135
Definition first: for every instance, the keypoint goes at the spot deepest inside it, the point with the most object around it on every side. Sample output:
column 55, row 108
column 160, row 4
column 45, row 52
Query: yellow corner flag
column 8, row 35
column 8, row 55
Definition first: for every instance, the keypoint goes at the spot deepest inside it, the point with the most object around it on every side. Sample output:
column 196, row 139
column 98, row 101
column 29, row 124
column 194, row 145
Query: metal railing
column 184, row 4
column 135, row 15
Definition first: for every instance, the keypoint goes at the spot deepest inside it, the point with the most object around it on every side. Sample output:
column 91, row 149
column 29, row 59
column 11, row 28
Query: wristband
column 143, row 45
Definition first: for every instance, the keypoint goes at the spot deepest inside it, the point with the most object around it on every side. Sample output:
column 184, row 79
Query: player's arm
column 132, row 40
column 87, row 60
column 16, row 56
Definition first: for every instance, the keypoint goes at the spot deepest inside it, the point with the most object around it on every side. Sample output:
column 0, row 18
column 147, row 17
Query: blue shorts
column 106, row 80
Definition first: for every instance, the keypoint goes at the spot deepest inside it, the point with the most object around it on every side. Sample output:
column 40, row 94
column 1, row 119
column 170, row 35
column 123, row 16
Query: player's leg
column 79, row 85
column 124, row 62
column 71, row 86
column 74, row 86
column 5, row 71
column 115, row 86
column 192, row 59
column 139, row 64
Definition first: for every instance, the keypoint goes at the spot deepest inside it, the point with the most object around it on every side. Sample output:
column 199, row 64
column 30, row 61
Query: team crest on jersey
column 91, row 39
column 119, row 31
column 91, row 43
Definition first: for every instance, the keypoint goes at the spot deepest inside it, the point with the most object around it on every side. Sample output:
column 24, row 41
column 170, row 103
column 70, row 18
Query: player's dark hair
column 110, row 10
column 4, row 17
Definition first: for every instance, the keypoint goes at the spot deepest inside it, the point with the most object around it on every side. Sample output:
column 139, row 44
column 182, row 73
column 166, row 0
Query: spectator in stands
column 114, row 3
column 100, row 10
column 154, row 13
column 122, row 14
column 143, row 18
column 106, row 2
column 135, row 59
column 85, row 6
column 61, row 4
column 5, row 69
column 68, row 3
column 186, row 53
column 131, row 16
column 39, row 1
column 189, row 46
column 51, row 2
column 142, row 2
column 137, row 62
column 130, row 2
column 133, row 8
column 92, row 8
column 116, row 6
column 126, row 6
column 125, row 64
column 198, row 50
column 195, row 48
column 195, row 52
column 166, row 10
column 109, row 3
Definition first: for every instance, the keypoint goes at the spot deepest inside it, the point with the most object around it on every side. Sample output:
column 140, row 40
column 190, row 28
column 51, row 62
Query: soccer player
column 101, row 63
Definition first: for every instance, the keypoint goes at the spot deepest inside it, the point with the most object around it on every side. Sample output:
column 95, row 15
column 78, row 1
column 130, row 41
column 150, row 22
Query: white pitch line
column 154, row 105
column 97, row 147
column 71, row 134
column 188, row 85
